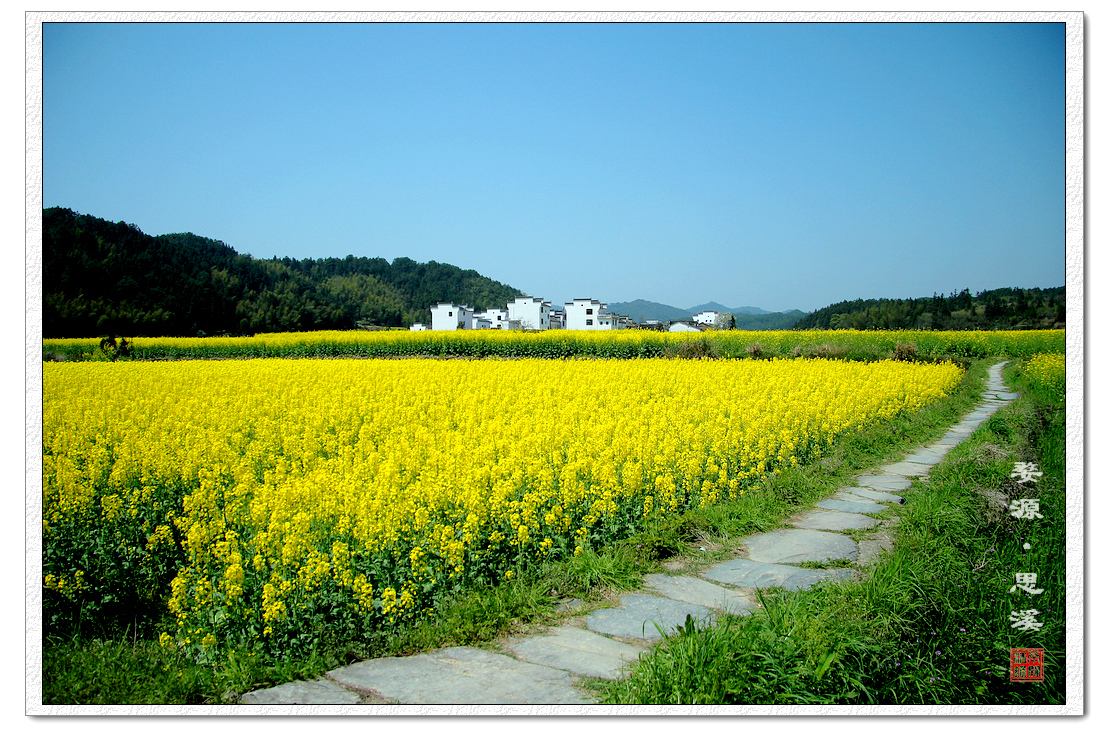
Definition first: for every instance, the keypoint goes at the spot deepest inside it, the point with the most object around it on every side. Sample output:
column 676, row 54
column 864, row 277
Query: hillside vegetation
column 1001, row 309
column 101, row 277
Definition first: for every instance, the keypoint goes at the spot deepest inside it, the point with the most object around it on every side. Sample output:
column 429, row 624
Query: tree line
column 1009, row 308
column 102, row 278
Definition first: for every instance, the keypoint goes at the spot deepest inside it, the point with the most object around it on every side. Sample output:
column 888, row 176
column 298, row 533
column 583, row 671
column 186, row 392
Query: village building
column 587, row 314
column 447, row 316
column 497, row 318
column 529, row 313
column 684, row 327
column 707, row 317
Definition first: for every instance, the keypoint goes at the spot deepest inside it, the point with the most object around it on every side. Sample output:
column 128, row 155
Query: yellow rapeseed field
column 264, row 501
column 618, row 344
column 1049, row 372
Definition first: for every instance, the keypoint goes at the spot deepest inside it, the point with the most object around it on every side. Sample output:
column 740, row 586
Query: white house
column 447, row 316
column 497, row 318
column 679, row 327
column 586, row 314
column 707, row 317
column 477, row 323
column 558, row 319
column 418, row 327
column 530, row 313
column 622, row 321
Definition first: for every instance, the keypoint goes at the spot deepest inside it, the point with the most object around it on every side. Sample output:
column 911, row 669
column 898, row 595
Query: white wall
column 497, row 318
column 531, row 312
column 707, row 317
column 449, row 317
column 586, row 315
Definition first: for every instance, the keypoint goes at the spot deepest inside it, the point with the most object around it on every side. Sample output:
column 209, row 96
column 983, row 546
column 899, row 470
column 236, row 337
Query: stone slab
column 576, row 650
column 747, row 573
column 846, row 506
column 925, row 456
column 871, row 495
column 870, row 549
column 884, row 482
column 319, row 692
column 834, row 520
column 466, row 676
column 849, row 497
column 700, row 592
column 907, row 469
column 799, row 546
column 643, row 616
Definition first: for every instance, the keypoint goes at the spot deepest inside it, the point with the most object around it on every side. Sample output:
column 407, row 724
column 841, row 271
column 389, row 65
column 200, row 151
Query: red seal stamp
column 1026, row 664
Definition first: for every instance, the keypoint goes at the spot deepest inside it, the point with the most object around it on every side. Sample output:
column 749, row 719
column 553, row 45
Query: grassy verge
column 138, row 671
column 931, row 623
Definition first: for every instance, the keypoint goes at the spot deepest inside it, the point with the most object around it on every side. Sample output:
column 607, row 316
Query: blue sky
column 765, row 164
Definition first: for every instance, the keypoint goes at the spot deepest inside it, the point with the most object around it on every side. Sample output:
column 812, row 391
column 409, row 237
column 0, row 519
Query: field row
column 269, row 503
column 848, row 344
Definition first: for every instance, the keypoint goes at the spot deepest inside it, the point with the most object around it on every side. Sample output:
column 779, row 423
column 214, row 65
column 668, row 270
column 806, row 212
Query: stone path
column 546, row 668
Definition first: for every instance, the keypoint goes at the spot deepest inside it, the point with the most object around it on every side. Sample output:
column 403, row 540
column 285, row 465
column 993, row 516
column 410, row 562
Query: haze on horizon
column 774, row 165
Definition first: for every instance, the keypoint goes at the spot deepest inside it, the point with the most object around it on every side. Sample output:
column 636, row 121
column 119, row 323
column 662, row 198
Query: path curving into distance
column 546, row 668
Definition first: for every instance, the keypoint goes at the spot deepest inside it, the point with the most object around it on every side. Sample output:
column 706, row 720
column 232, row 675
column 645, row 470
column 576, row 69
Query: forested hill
column 101, row 277
column 1008, row 308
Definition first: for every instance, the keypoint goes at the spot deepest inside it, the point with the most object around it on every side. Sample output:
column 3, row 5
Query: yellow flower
column 388, row 600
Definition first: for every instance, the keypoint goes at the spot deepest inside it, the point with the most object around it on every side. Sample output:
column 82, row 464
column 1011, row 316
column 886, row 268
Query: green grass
column 930, row 625
column 90, row 670
column 139, row 671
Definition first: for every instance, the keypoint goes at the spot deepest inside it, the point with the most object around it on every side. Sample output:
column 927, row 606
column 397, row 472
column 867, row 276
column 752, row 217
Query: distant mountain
column 100, row 277
column 709, row 306
column 643, row 310
column 749, row 318
column 742, row 310
column 768, row 321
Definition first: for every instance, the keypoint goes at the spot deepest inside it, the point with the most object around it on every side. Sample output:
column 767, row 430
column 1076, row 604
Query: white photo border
column 1075, row 354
